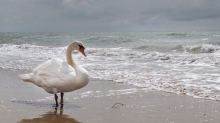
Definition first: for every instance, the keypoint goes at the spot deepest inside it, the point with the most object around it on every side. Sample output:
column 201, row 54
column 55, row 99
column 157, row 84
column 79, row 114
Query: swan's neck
column 69, row 57
column 81, row 74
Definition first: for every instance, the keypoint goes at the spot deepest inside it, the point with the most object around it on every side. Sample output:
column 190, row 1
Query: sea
column 178, row 62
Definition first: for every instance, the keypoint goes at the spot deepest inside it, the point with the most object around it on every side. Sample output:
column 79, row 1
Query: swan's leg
column 61, row 101
column 56, row 97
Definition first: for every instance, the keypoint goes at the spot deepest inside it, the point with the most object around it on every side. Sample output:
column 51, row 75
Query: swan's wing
column 47, row 65
column 54, row 68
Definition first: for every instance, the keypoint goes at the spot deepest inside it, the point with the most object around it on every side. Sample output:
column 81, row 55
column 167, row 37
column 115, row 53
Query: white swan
column 57, row 76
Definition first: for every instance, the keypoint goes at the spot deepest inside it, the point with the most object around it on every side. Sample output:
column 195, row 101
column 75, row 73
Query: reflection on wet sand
column 44, row 104
column 51, row 117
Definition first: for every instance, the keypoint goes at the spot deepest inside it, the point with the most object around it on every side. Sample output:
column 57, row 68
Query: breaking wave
column 202, row 48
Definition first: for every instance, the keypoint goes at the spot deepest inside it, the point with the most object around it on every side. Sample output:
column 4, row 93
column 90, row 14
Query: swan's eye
column 80, row 46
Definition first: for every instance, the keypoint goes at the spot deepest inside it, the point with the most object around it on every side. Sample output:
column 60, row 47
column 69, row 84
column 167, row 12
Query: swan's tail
column 25, row 77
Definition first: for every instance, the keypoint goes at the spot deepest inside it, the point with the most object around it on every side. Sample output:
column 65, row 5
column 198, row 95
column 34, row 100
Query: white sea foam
column 90, row 94
column 190, row 74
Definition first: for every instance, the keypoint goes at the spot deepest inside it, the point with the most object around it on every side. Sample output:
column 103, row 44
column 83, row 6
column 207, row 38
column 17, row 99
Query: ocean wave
column 42, row 53
column 178, row 34
column 6, row 41
column 180, row 73
column 27, row 56
column 11, row 38
column 201, row 48
column 30, row 50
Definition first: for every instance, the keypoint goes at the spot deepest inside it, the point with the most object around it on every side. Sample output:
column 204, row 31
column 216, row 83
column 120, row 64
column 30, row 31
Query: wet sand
column 100, row 102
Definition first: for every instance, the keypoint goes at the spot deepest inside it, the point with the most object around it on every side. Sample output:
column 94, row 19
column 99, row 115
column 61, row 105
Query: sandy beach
column 100, row 102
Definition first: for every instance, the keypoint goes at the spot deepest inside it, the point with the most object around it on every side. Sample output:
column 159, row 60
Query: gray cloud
column 104, row 15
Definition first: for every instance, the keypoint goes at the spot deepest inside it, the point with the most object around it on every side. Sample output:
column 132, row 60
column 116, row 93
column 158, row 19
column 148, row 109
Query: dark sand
column 97, row 103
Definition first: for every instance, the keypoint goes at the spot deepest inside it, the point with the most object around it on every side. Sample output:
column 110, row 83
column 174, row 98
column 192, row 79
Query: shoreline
column 100, row 102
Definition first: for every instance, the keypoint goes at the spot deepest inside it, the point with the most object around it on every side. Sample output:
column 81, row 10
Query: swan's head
column 77, row 45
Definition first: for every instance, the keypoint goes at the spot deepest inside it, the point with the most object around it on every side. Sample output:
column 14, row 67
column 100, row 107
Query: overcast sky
column 108, row 15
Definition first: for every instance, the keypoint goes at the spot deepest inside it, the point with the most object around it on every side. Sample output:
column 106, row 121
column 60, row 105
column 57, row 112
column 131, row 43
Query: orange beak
column 82, row 51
